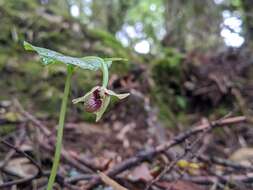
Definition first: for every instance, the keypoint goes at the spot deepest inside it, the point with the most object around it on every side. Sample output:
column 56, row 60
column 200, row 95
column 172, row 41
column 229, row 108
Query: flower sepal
column 97, row 100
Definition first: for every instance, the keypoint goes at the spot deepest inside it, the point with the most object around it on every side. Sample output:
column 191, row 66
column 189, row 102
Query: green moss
column 6, row 129
column 3, row 60
column 40, row 88
column 108, row 44
column 31, row 67
column 105, row 37
column 167, row 93
column 165, row 113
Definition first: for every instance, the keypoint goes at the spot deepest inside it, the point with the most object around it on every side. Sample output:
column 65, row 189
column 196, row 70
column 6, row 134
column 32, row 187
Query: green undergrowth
column 22, row 76
column 167, row 93
column 6, row 129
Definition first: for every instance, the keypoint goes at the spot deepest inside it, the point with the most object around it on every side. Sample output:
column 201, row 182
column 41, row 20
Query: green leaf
column 109, row 61
column 52, row 57
column 181, row 101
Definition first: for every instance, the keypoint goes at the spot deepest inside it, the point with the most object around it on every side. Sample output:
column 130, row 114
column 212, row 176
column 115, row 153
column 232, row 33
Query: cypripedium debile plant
column 95, row 101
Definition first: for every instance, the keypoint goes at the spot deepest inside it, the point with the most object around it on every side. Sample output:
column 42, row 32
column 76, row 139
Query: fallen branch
column 25, row 180
column 225, row 163
column 48, row 142
column 188, row 148
column 139, row 157
column 39, row 174
column 149, row 154
column 108, row 181
column 8, row 156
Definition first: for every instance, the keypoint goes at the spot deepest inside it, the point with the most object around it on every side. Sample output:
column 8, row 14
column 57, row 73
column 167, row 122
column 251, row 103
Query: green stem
column 57, row 154
column 105, row 74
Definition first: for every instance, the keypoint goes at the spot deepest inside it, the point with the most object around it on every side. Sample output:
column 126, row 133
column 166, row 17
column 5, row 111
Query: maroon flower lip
column 93, row 103
column 97, row 100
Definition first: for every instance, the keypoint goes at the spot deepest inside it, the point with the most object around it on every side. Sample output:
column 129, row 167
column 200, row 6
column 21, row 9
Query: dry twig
column 149, row 154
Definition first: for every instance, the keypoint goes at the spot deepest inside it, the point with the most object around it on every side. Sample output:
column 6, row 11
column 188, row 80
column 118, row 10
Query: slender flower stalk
column 105, row 74
column 95, row 101
column 60, row 128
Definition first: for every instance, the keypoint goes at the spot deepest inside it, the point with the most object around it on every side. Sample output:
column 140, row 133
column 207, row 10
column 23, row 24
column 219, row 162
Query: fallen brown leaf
column 141, row 173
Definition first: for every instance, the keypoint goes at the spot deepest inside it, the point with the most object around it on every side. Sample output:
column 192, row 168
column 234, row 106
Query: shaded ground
column 133, row 125
column 169, row 95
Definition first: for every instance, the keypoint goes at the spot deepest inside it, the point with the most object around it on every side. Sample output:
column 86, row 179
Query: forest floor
column 210, row 149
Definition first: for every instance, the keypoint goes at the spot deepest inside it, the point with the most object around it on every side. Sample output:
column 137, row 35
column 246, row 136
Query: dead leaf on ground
column 141, row 173
column 243, row 156
column 22, row 167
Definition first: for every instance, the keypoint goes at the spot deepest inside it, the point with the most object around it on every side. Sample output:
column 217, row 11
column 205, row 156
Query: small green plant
column 96, row 101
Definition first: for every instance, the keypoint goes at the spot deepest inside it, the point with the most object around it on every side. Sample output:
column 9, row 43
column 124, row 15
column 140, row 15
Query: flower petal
column 105, row 103
column 85, row 97
column 120, row 96
column 101, row 98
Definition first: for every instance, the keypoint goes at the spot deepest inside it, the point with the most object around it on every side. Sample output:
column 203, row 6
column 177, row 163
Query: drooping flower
column 97, row 100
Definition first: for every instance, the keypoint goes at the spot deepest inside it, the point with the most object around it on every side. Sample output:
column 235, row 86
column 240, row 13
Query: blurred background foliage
column 172, row 41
